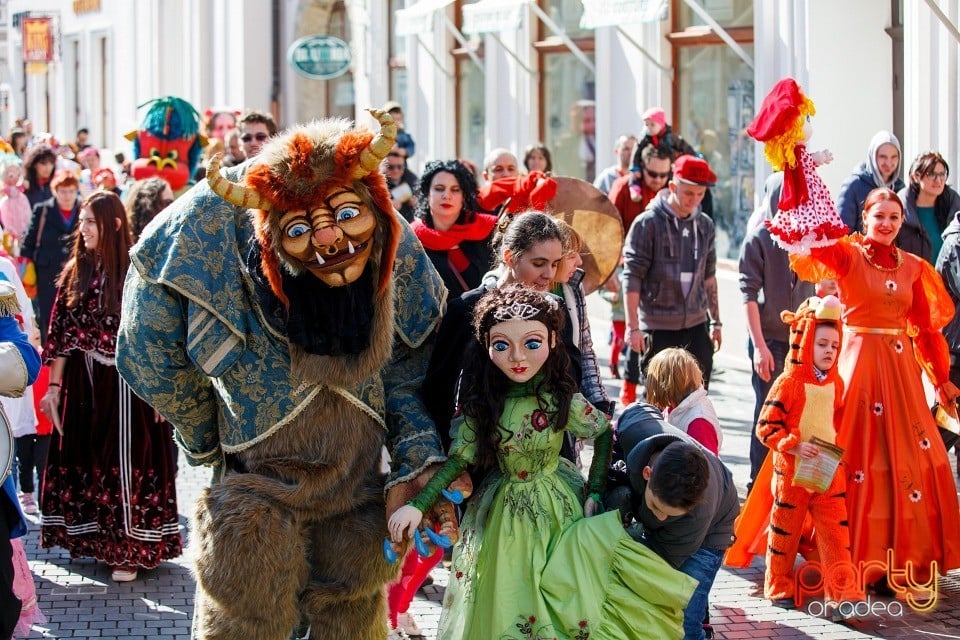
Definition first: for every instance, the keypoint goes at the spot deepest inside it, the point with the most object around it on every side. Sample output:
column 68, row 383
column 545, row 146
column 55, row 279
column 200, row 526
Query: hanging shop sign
column 85, row 6
column 320, row 57
column 38, row 43
column 492, row 16
column 615, row 13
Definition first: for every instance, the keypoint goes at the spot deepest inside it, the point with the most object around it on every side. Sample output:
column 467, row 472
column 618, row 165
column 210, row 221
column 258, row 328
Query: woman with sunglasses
column 929, row 204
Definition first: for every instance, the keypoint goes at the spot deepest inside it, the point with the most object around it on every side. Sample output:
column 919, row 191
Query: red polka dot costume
column 807, row 216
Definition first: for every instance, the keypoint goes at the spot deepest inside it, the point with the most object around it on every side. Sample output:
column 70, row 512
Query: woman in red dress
column 109, row 488
column 900, row 490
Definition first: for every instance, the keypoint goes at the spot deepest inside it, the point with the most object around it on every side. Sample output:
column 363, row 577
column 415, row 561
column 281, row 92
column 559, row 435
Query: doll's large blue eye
column 500, row 345
column 808, row 118
column 533, row 344
column 297, row 230
column 348, row 213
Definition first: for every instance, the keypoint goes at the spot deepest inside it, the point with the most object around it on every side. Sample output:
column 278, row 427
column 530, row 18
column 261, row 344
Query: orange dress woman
column 900, row 490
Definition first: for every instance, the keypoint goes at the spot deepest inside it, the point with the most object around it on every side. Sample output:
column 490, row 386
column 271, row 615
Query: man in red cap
column 669, row 273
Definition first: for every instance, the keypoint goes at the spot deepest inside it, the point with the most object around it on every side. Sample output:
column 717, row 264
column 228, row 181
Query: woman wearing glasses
column 649, row 174
column 929, row 204
column 455, row 235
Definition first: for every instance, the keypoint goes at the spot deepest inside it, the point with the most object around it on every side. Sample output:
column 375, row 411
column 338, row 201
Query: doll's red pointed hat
column 779, row 110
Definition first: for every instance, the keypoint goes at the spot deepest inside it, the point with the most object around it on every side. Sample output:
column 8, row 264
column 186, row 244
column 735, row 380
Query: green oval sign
column 320, row 57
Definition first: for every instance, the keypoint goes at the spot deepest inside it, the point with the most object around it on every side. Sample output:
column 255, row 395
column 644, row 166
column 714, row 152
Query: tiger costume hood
column 811, row 313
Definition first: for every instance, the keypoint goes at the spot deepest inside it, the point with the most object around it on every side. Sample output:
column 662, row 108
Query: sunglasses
column 656, row 174
column 393, row 167
column 260, row 137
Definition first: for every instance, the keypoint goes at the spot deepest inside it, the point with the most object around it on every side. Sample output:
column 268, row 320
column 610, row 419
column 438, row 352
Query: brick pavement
column 80, row 601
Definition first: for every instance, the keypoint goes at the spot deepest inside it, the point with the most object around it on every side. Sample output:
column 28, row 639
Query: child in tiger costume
column 803, row 403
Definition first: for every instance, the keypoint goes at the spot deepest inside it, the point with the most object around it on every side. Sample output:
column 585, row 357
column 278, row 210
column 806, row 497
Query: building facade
column 473, row 75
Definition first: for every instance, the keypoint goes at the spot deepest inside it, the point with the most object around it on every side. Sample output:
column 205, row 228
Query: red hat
column 693, row 170
column 779, row 110
column 657, row 114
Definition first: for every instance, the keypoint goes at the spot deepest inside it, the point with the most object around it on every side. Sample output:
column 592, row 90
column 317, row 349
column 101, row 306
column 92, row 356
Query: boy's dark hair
column 83, row 130
column 680, row 475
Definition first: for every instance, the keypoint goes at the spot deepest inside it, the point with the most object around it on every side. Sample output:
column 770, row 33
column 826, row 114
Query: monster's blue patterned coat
column 197, row 346
column 296, row 517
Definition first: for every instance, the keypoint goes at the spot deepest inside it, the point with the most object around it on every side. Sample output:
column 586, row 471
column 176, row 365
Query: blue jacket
column 198, row 347
column 27, row 358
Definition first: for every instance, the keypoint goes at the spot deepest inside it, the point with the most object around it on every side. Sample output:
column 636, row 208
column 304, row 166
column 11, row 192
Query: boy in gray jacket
column 685, row 499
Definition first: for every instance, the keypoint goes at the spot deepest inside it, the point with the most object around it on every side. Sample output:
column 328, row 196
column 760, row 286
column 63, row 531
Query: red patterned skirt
column 109, row 490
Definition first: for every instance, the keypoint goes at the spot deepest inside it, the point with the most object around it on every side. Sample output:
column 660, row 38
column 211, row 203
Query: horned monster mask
column 320, row 205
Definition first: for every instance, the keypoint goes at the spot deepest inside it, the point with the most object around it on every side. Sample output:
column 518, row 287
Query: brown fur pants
column 260, row 567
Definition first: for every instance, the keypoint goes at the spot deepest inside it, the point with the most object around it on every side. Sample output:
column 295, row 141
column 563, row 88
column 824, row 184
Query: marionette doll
column 529, row 563
column 806, row 215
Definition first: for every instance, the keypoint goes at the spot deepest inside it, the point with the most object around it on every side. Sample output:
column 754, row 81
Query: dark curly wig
column 143, row 203
column 34, row 156
column 468, row 185
column 485, row 385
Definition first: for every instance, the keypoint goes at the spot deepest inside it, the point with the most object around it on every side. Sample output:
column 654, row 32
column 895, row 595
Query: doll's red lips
column 518, row 369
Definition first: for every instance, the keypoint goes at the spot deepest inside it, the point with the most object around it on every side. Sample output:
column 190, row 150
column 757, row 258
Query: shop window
column 470, row 96
column 567, row 92
column 397, row 59
column 713, row 102
column 470, row 112
column 340, row 100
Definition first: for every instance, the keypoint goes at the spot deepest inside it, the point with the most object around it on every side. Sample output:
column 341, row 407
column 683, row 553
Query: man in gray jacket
column 685, row 500
column 669, row 271
column 768, row 286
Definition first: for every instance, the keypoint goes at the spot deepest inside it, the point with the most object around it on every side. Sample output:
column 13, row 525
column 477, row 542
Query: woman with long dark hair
column 39, row 163
column 109, row 487
column 450, row 226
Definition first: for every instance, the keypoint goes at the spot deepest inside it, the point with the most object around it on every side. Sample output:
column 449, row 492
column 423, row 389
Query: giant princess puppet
column 167, row 143
column 280, row 316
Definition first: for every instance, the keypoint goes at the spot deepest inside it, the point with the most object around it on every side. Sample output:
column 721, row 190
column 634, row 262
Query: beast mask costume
column 280, row 317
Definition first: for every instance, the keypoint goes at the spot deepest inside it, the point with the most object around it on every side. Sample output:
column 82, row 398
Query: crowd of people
column 513, row 386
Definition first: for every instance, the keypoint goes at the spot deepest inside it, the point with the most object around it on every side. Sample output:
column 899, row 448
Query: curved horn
column 379, row 147
column 233, row 192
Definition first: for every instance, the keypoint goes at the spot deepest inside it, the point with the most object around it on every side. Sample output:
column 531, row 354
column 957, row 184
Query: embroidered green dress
column 528, row 564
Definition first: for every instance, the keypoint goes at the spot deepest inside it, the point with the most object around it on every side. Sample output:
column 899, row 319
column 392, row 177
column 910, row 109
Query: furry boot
column 251, row 565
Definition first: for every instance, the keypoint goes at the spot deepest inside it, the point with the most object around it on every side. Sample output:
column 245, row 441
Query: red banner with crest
column 38, row 44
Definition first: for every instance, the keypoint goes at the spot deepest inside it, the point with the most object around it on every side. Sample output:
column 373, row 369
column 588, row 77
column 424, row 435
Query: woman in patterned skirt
column 109, row 492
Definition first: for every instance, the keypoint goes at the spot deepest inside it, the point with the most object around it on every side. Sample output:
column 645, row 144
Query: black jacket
column 913, row 237
column 481, row 261
column 49, row 252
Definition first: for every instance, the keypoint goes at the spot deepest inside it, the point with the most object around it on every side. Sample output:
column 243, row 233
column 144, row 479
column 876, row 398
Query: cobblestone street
column 80, row 601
